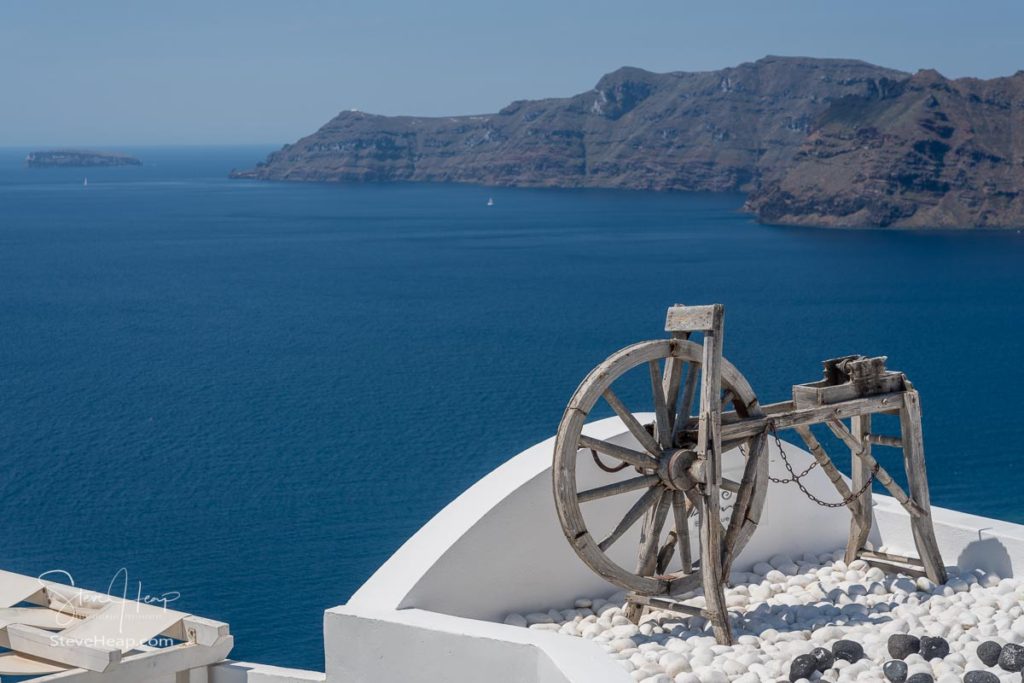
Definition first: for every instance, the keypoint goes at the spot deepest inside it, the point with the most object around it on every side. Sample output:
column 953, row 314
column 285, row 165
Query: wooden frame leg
column 861, row 513
column 710, row 448
column 917, row 481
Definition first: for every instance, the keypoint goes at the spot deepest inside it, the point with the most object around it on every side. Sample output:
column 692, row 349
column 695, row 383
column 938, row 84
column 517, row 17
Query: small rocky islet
column 78, row 158
column 816, row 618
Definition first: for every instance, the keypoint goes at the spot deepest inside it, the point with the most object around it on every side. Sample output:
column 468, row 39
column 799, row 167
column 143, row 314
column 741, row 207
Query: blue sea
column 250, row 394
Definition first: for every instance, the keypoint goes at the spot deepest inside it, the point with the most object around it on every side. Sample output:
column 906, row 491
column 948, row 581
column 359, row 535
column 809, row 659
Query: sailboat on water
column 490, row 201
column 85, row 183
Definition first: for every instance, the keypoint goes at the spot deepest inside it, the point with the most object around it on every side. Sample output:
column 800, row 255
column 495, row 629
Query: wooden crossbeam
column 889, row 557
column 840, row 430
column 785, row 415
column 668, row 605
column 884, row 440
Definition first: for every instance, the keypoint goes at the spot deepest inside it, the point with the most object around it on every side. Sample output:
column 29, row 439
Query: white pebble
column 786, row 610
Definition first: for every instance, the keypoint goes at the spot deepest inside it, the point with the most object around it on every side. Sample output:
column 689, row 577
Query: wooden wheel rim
column 567, row 447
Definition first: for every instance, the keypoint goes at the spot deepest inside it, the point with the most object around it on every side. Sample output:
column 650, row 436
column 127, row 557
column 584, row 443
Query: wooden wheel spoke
column 687, row 396
column 670, row 387
column 660, row 406
column 635, row 428
column 635, row 458
column 647, row 556
column 634, row 513
column 618, row 487
column 682, row 527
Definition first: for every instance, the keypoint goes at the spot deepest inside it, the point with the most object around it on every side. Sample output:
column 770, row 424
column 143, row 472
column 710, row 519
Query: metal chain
column 793, row 477
column 607, row 468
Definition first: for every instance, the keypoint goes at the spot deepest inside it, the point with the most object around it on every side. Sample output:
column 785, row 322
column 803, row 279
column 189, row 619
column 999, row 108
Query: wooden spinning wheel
column 678, row 457
column 675, row 464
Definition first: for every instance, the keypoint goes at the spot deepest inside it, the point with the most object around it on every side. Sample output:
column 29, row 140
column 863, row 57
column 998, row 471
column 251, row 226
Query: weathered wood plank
column 689, row 392
column 682, row 318
column 670, row 387
column 785, row 415
column 741, row 524
column 663, row 429
column 650, row 534
column 709, row 447
column 895, row 568
column 881, row 475
column 883, row 440
column 917, row 480
column 889, row 557
column 828, row 467
column 668, row 605
column 680, row 513
column 861, row 519
column 647, row 553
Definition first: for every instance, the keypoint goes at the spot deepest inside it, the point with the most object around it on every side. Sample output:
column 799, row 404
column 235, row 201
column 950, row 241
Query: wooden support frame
column 678, row 459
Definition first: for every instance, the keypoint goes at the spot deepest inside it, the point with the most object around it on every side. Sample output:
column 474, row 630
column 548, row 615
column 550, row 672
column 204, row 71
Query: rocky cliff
column 930, row 152
column 814, row 141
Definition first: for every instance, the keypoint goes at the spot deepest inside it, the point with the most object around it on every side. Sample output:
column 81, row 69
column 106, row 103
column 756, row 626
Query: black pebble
column 980, row 677
column 1012, row 657
column 824, row 657
column 988, row 652
column 901, row 645
column 848, row 650
column 802, row 667
column 934, row 648
column 921, row 678
column 895, row 670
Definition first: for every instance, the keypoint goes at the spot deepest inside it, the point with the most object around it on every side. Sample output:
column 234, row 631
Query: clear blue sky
column 97, row 72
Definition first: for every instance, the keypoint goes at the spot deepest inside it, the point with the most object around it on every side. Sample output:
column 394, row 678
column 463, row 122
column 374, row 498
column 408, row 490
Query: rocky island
column 77, row 158
column 824, row 142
